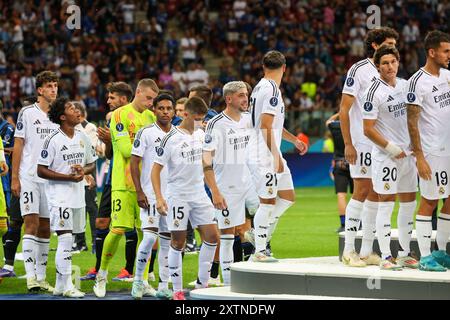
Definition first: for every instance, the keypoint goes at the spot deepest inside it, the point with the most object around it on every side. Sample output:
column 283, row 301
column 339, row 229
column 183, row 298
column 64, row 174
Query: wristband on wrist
column 393, row 149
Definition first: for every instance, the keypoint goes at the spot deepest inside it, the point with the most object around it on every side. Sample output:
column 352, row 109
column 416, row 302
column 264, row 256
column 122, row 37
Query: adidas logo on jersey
column 390, row 98
column 434, row 89
column 185, row 145
column 158, row 140
column 29, row 260
column 231, row 131
column 354, row 229
column 37, row 122
column 64, row 148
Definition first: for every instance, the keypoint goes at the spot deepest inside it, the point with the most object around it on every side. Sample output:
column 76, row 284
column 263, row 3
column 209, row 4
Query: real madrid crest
column 61, row 223
column 27, row 207
column 441, row 190
column 151, row 220
column 227, row 221
column 363, row 170
column 270, row 191
column 176, row 223
column 81, row 144
column 387, row 186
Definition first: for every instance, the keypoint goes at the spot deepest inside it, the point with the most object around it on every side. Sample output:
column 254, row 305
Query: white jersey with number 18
column 359, row 78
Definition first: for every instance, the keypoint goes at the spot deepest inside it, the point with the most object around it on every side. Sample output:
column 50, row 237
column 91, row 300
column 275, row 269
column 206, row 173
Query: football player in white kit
column 145, row 145
column 181, row 151
column 393, row 165
column 225, row 167
column 274, row 181
column 32, row 128
column 66, row 157
column 364, row 202
column 428, row 106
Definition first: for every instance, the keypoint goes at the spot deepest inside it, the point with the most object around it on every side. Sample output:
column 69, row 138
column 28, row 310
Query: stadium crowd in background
column 129, row 40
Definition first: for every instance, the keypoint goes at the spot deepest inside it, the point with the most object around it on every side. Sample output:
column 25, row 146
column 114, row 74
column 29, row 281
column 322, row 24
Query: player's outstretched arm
column 16, row 158
column 346, row 104
column 161, row 205
column 210, row 179
column 300, row 145
column 375, row 136
column 334, row 117
column 413, row 112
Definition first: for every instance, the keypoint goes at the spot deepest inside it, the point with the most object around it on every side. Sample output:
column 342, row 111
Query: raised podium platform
column 394, row 243
column 326, row 278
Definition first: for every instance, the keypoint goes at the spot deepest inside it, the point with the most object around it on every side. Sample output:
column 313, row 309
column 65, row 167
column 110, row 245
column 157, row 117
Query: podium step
column 327, row 276
column 225, row 293
column 414, row 246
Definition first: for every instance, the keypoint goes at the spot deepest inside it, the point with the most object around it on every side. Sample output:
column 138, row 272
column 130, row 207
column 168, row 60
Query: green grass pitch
column 307, row 229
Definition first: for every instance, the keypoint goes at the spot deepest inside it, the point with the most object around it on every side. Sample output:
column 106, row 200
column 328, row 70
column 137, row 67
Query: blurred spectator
column 411, row 32
column 128, row 12
column 179, row 76
column 91, row 101
column 188, row 47
column 84, row 76
column 27, row 82
column 196, row 75
column 356, row 41
column 165, row 77
column 239, row 8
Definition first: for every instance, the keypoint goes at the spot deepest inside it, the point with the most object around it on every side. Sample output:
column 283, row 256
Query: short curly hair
column 57, row 109
column 44, row 77
column 378, row 35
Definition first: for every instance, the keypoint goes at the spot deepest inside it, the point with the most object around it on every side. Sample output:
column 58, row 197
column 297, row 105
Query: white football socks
column 281, row 207
column 29, row 253
column 226, row 256
column 163, row 263
column 63, row 261
column 405, row 224
column 42, row 247
column 205, row 259
column 423, row 231
column 176, row 268
column 383, row 227
column 143, row 253
column 443, row 231
column 369, row 217
column 352, row 222
column 261, row 223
